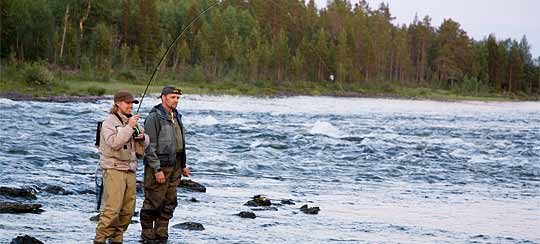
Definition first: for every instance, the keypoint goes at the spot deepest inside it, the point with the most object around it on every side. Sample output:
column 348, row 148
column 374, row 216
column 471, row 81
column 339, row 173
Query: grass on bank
column 37, row 80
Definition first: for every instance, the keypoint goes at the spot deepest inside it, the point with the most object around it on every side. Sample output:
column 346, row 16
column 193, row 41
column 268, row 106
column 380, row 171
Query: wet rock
column 86, row 191
column 265, row 208
column 258, row 200
column 287, row 201
column 140, row 186
column 10, row 207
column 58, row 190
column 26, row 239
column 193, row 200
column 189, row 226
column 308, row 210
column 248, row 215
column 27, row 193
column 192, row 185
column 94, row 218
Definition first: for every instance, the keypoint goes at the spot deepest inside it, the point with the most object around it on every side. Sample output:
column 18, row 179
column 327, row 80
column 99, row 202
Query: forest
column 260, row 42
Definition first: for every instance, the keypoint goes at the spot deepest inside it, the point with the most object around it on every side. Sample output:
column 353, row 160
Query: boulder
column 26, row 239
column 310, row 210
column 189, row 226
column 246, row 214
column 258, row 200
column 10, row 207
column 192, row 186
column 27, row 193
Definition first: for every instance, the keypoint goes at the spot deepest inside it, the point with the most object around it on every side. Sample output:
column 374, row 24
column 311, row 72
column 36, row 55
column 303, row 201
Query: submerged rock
column 27, row 193
column 265, row 208
column 94, row 218
column 10, row 207
column 193, row 200
column 258, row 200
column 287, row 201
column 248, row 215
column 308, row 210
column 26, row 239
column 57, row 190
column 139, row 186
column 189, row 226
column 192, row 185
column 86, row 191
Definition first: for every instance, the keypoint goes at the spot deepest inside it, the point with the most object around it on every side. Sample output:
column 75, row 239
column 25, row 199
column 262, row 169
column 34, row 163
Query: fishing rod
column 215, row 3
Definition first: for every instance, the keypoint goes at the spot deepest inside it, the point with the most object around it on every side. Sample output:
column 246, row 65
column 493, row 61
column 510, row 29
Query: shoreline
column 64, row 98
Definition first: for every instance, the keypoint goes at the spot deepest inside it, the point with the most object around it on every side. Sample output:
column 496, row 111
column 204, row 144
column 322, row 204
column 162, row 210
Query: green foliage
column 96, row 91
column 37, row 74
column 275, row 42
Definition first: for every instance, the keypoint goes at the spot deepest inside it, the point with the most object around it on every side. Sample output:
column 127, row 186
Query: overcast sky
column 479, row 18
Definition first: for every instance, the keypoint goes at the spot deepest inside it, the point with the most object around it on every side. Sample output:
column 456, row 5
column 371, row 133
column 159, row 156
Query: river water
column 381, row 170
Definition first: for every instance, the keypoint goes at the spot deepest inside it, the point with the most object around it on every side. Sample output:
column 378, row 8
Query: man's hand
column 160, row 177
column 185, row 172
column 133, row 120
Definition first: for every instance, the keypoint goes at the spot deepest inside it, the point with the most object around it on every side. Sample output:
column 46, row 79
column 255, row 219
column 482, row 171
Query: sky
column 479, row 18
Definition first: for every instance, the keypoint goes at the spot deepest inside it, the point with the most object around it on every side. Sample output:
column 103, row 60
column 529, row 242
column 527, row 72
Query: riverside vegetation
column 254, row 47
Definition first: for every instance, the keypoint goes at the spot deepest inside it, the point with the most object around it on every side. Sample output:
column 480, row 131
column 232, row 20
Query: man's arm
column 151, row 128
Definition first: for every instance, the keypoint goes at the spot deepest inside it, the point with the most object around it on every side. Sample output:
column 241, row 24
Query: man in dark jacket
column 165, row 163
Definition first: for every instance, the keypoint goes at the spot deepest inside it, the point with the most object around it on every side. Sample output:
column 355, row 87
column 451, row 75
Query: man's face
column 125, row 107
column 170, row 100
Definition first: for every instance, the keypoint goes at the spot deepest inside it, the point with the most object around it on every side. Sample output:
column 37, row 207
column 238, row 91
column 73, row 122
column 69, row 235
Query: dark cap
column 171, row 90
column 124, row 96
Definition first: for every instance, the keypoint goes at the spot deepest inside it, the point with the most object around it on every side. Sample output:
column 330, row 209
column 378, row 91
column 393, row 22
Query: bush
column 196, row 74
column 96, row 91
column 37, row 74
column 127, row 75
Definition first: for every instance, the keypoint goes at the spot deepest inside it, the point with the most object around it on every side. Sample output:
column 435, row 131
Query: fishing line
column 170, row 47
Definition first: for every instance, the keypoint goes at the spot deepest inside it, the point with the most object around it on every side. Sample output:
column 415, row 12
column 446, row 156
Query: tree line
column 265, row 40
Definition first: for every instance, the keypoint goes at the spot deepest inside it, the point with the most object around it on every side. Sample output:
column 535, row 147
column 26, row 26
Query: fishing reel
column 136, row 131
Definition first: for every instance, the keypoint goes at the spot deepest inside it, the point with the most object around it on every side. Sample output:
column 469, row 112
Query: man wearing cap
column 165, row 163
column 118, row 162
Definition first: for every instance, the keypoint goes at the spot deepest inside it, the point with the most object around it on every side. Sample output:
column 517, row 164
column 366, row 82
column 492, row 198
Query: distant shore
column 91, row 91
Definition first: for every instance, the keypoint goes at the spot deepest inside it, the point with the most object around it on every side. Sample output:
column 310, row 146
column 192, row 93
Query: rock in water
column 287, row 201
column 258, row 200
column 26, row 239
column 57, row 190
column 10, row 207
column 265, row 208
column 189, row 226
column 246, row 214
column 94, row 218
column 18, row 192
column 192, row 185
column 308, row 210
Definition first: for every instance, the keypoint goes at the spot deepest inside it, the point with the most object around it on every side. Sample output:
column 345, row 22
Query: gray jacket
column 162, row 149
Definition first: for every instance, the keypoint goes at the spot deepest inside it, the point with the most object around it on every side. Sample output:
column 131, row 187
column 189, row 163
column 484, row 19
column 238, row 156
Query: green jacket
column 162, row 149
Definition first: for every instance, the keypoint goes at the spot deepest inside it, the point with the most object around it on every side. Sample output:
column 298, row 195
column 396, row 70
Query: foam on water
column 381, row 170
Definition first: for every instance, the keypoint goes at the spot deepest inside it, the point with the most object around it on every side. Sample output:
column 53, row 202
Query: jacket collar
column 161, row 111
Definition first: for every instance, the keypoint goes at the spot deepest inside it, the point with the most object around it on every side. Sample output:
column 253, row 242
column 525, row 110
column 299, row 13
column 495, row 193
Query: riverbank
column 69, row 88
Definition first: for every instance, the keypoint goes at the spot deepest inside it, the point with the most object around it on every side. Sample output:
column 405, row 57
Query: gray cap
column 171, row 90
